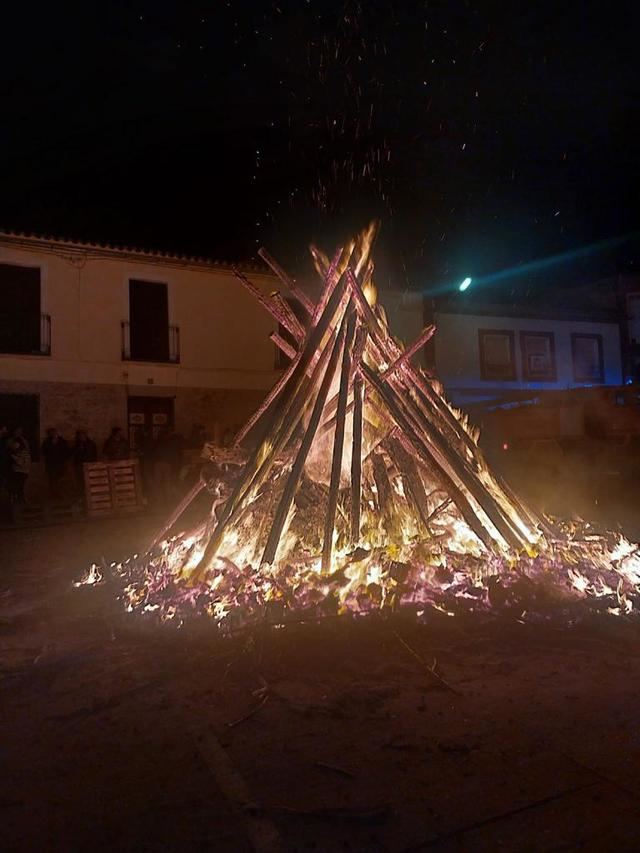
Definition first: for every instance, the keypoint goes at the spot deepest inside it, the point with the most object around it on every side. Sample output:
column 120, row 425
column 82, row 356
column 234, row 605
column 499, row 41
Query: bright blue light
column 465, row 284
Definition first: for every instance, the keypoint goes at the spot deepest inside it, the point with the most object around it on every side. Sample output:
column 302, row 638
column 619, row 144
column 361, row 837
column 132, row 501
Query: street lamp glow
column 465, row 284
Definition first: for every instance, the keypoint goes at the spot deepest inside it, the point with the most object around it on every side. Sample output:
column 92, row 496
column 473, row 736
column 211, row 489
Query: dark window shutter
column 149, row 320
column 19, row 309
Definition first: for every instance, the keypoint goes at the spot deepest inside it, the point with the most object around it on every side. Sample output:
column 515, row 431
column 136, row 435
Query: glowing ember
column 361, row 489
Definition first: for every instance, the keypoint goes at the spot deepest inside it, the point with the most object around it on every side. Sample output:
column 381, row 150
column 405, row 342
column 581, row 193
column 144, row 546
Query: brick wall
column 97, row 408
column 69, row 406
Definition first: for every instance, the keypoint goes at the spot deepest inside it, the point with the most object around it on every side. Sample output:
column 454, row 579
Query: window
column 148, row 321
column 538, row 356
column 497, row 354
column 20, row 315
column 588, row 362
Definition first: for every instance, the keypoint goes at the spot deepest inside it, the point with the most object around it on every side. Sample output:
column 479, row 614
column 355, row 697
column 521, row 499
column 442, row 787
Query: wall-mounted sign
column 136, row 417
column 160, row 418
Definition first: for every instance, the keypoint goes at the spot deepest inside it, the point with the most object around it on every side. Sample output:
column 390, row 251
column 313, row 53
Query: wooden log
column 184, row 504
column 294, row 324
column 427, row 333
column 330, row 281
column 261, row 463
column 457, row 467
column 390, row 351
column 423, row 421
column 338, row 443
column 293, row 480
column 287, row 413
column 283, row 345
column 356, row 458
column 385, row 498
column 412, row 480
column 302, row 298
column 458, row 463
column 269, row 403
column 358, row 352
column 269, row 304
column 423, row 451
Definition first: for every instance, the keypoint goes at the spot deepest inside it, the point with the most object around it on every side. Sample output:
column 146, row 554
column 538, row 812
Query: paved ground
column 326, row 738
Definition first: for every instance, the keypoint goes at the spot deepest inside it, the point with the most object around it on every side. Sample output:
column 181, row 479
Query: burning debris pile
column 356, row 487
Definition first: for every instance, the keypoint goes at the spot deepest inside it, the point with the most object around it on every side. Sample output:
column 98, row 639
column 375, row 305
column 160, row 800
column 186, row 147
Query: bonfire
column 357, row 488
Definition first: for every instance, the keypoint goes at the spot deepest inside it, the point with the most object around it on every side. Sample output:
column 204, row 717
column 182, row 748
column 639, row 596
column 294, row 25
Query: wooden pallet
column 113, row 488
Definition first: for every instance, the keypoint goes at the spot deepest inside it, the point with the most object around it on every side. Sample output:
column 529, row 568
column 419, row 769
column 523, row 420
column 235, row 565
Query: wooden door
column 149, row 413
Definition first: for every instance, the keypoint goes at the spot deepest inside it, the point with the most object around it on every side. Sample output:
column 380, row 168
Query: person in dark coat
column 83, row 451
column 4, row 457
column 116, row 446
column 55, row 452
column 19, row 465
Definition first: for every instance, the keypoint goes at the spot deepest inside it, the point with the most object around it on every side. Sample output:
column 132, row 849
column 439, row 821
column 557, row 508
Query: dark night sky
column 483, row 134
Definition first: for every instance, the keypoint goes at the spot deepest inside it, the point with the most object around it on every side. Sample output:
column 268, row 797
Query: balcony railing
column 45, row 334
column 152, row 353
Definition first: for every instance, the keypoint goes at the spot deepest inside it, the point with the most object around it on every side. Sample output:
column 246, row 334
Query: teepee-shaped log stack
column 346, row 374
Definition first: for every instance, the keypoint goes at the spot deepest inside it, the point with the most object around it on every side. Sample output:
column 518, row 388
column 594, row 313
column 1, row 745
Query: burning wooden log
column 467, row 511
column 272, row 306
column 404, row 357
column 286, row 348
column 294, row 326
column 414, row 460
column 330, row 283
column 384, row 495
column 300, row 295
column 421, row 433
column 410, row 473
column 427, row 423
column 338, row 444
column 289, row 408
column 295, row 474
column 356, row 459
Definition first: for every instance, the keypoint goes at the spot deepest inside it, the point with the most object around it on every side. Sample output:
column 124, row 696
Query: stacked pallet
column 112, row 488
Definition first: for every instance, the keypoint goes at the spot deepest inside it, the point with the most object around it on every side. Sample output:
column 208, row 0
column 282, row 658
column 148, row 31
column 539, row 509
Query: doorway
column 148, row 415
column 22, row 410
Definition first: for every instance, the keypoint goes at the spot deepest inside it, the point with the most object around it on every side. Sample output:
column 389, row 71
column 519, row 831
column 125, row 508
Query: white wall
column 457, row 351
column 224, row 332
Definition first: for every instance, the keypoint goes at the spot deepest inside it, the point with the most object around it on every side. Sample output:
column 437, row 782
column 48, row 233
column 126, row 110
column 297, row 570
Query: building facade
column 482, row 357
column 94, row 337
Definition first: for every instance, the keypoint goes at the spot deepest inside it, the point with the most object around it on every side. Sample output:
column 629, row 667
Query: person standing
column 84, row 451
column 19, row 465
column 116, row 447
column 55, row 452
column 4, row 458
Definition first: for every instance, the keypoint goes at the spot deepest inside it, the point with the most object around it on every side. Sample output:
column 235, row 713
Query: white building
column 481, row 357
column 93, row 336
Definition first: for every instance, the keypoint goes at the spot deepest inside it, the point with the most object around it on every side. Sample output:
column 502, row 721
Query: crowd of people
column 160, row 456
